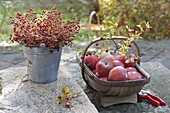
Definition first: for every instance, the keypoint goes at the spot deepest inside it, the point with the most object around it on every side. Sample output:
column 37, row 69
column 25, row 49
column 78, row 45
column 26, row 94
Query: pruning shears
column 153, row 99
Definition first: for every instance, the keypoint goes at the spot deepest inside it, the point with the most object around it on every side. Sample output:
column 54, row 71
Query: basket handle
column 107, row 38
column 91, row 16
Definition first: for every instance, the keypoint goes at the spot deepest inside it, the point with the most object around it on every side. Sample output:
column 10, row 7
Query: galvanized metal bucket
column 42, row 63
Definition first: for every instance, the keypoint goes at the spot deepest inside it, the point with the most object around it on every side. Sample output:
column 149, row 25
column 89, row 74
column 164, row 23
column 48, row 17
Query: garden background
column 122, row 13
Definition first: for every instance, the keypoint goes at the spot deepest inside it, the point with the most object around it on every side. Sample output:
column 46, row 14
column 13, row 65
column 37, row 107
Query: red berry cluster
column 49, row 29
column 66, row 97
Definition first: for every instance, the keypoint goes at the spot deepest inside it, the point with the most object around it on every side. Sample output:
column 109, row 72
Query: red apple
column 117, row 63
column 91, row 61
column 132, row 61
column 130, row 69
column 118, row 73
column 111, row 57
column 95, row 73
column 130, row 64
column 134, row 75
column 121, row 58
column 103, row 78
column 103, row 67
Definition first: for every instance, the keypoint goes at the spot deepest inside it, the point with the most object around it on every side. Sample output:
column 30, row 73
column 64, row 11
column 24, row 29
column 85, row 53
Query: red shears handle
column 150, row 99
column 158, row 99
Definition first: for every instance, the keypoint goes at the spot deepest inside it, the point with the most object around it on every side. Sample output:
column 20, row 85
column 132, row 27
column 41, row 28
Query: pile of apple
column 112, row 68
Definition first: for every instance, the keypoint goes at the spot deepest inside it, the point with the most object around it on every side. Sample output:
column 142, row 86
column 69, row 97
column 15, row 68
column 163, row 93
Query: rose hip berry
column 82, row 57
column 129, row 45
column 97, row 43
column 132, row 30
column 59, row 97
column 101, row 38
column 67, row 104
column 151, row 28
column 135, row 59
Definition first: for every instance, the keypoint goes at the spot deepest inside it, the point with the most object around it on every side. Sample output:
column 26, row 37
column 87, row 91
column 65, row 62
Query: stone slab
column 155, row 51
column 4, row 65
column 159, row 84
column 10, row 49
column 14, row 58
column 163, row 43
column 29, row 97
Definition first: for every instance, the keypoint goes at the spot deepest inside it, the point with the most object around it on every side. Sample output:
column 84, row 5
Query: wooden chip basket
column 113, row 88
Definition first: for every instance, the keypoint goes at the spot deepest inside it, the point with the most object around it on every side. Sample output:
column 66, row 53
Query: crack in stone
column 14, row 63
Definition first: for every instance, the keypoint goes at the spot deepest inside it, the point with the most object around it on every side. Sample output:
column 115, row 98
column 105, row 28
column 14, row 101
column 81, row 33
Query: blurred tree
column 132, row 12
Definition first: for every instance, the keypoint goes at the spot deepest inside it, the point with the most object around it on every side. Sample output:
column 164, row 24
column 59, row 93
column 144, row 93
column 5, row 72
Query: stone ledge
column 29, row 97
column 44, row 95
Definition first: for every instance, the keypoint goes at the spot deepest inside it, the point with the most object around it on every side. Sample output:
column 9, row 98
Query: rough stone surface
column 155, row 50
column 9, row 49
column 29, row 97
column 14, row 58
column 4, row 65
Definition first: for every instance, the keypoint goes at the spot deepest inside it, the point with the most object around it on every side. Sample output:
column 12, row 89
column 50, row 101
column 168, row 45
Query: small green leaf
column 113, row 18
column 116, row 24
column 147, row 24
column 111, row 27
column 110, row 22
column 127, row 27
column 127, row 61
column 140, row 27
column 78, row 50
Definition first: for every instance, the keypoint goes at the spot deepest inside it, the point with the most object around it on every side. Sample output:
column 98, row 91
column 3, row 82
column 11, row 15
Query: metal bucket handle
column 102, row 39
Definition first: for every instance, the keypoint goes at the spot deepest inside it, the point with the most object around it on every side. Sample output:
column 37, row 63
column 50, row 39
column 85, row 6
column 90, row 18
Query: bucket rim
column 41, row 50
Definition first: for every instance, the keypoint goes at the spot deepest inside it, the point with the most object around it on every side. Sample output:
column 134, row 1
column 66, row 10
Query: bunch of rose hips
column 66, row 97
column 48, row 29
